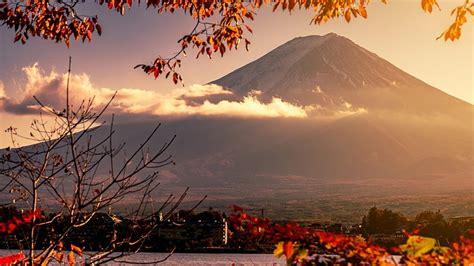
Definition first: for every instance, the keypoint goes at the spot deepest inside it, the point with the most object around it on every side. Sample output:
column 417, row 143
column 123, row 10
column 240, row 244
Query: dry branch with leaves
column 75, row 175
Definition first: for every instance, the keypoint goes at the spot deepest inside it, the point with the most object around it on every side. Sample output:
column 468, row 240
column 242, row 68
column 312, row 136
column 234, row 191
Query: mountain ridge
column 411, row 148
column 331, row 70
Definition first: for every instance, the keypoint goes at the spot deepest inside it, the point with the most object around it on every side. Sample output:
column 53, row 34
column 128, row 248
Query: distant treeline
column 379, row 224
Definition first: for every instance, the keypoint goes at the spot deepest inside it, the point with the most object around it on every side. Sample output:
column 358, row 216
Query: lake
column 195, row 259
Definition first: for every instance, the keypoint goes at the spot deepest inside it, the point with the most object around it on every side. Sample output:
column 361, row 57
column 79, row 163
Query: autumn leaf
column 352, row 250
column 99, row 29
column 278, row 252
column 417, row 245
column 156, row 72
column 76, row 250
column 301, row 254
column 12, row 259
column 363, row 11
column 111, row 4
column 347, row 15
column 427, row 5
column 175, row 78
column 248, row 28
column 89, row 35
column 288, row 249
column 71, row 259
column 58, row 256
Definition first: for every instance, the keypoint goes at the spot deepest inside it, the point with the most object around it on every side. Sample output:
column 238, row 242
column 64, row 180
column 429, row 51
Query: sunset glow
column 260, row 132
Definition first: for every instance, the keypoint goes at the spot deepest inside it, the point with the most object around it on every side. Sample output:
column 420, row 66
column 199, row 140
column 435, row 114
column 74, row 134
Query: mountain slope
column 411, row 150
column 331, row 69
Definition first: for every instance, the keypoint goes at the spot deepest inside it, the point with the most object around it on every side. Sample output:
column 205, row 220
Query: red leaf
column 99, row 29
column 11, row 228
column 248, row 28
column 156, row 72
column 12, row 259
column 89, row 35
column 175, row 78
column 288, row 249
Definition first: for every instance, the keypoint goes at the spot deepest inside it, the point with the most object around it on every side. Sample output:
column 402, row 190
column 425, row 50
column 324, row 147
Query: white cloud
column 201, row 100
column 203, row 90
column 50, row 89
column 336, row 111
column 250, row 106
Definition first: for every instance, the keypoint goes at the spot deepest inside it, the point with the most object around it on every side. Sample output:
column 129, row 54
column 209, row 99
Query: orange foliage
column 12, row 259
column 57, row 254
column 58, row 20
column 305, row 246
column 62, row 256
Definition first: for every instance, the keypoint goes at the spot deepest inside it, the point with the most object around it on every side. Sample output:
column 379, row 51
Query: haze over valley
column 318, row 128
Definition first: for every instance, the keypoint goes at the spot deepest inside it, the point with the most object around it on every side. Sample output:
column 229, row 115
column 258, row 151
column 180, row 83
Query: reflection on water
column 193, row 259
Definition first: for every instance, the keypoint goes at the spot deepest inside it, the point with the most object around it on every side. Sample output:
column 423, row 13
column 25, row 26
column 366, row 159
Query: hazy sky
column 399, row 32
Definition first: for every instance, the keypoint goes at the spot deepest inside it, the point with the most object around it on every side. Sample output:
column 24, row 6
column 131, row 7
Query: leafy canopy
column 220, row 24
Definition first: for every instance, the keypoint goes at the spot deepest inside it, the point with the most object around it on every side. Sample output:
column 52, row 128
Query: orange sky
column 399, row 32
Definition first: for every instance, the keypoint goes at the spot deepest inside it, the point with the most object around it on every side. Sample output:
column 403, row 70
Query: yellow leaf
column 278, row 252
column 418, row 245
column 302, row 253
